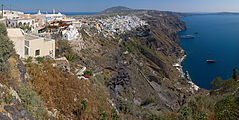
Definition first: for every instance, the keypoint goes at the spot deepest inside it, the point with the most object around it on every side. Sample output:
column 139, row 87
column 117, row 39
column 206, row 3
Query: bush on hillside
column 71, row 57
column 3, row 29
column 63, row 47
column 217, row 83
column 39, row 59
column 227, row 109
column 29, row 59
column 31, row 101
column 6, row 48
column 88, row 72
column 114, row 115
column 149, row 101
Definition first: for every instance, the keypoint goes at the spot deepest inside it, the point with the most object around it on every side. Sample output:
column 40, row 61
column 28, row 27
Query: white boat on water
column 187, row 37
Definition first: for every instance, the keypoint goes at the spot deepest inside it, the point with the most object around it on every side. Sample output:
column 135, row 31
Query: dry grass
column 64, row 92
column 14, row 72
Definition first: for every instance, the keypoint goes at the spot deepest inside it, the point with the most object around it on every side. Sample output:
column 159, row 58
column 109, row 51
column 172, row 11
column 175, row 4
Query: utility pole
column 2, row 10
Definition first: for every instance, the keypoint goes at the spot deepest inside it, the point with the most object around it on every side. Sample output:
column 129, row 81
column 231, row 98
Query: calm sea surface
column 217, row 39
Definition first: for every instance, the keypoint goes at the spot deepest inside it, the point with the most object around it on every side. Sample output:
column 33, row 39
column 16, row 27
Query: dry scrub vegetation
column 73, row 98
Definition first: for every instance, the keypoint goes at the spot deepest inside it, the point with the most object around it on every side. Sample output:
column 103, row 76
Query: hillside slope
column 137, row 67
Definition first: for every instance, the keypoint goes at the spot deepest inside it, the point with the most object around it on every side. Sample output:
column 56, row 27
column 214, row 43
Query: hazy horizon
column 98, row 6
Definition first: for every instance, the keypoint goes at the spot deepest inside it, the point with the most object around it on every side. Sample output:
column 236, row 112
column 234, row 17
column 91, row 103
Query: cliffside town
column 107, row 66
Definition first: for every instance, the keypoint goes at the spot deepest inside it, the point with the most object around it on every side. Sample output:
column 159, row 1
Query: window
column 26, row 51
column 27, row 43
column 37, row 52
column 51, row 52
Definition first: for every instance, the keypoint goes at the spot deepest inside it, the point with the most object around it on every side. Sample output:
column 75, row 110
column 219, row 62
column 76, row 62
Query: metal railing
column 36, row 37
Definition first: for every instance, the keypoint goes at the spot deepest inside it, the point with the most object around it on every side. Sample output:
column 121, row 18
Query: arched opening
column 20, row 23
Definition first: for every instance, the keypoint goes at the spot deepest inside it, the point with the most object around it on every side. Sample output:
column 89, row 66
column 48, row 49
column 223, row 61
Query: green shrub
column 29, row 60
column 124, row 106
column 183, row 81
column 63, row 47
column 88, row 72
column 217, row 83
column 184, row 113
column 3, row 29
column 6, row 49
column 84, row 105
column 149, row 101
column 227, row 109
column 71, row 57
column 103, row 115
column 31, row 101
column 201, row 116
column 229, row 86
column 8, row 98
column 1, row 101
column 25, row 27
column 154, row 117
column 114, row 115
column 39, row 59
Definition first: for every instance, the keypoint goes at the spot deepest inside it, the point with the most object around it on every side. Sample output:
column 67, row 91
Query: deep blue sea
column 217, row 39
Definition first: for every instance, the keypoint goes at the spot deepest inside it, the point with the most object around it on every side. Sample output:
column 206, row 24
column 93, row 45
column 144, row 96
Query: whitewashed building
column 21, row 22
column 50, row 17
column 11, row 14
column 70, row 33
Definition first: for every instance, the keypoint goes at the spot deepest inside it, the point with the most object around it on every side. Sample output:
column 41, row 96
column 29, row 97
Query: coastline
column 179, row 67
column 186, row 76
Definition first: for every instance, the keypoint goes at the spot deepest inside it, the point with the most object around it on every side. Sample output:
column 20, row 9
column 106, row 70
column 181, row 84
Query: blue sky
column 99, row 5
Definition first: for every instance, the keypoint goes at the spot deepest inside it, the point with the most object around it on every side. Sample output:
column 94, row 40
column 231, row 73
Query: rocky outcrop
column 119, row 82
column 11, row 108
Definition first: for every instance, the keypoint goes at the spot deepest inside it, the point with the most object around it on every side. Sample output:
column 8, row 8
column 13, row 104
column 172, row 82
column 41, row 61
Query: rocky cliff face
column 11, row 106
column 137, row 66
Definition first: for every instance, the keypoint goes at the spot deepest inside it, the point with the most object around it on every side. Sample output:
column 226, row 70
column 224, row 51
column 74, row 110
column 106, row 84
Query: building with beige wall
column 27, row 45
column 18, row 39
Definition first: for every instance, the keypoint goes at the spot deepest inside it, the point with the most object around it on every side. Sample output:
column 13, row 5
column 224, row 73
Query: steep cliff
column 137, row 67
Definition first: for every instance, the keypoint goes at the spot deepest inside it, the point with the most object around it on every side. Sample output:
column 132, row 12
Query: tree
column 3, row 29
column 6, row 48
column 217, row 83
column 234, row 74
